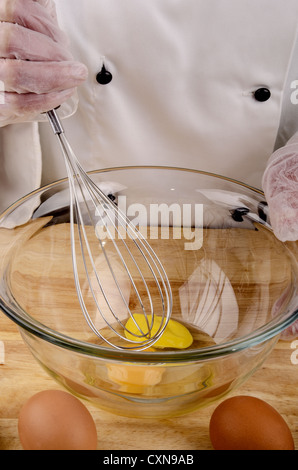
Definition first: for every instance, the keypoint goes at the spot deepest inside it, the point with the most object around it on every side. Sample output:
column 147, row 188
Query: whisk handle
column 55, row 122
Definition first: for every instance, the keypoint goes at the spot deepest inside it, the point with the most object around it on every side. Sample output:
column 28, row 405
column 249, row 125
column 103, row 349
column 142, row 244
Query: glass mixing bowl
column 234, row 287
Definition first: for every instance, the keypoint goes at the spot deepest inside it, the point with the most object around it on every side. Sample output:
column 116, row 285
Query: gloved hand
column 280, row 185
column 37, row 71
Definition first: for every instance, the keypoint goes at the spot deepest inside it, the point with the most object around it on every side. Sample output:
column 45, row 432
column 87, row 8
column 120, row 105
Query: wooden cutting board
column 21, row 376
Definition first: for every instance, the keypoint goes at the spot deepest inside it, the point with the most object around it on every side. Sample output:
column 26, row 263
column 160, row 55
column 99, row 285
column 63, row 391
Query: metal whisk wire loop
column 140, row 266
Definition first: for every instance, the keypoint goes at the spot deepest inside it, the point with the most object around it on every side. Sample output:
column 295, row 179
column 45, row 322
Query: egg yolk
column 175, row 334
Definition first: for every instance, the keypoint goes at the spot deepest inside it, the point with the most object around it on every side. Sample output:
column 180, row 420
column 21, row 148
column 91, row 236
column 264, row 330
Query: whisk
column 117, row 262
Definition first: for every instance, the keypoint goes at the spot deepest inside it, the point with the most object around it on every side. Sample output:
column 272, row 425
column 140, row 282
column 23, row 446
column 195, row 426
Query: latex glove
column 280, row 185
column 37, row 71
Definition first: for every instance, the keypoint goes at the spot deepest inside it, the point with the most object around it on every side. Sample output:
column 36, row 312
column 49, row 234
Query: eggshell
column 56, row 420
column 248, row 423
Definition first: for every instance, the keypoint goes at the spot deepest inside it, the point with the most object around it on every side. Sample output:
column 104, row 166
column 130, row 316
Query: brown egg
column 56, row 420
column 248, row 423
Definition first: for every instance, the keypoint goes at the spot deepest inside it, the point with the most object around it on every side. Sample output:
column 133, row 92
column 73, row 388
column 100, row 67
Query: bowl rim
column 263, row 334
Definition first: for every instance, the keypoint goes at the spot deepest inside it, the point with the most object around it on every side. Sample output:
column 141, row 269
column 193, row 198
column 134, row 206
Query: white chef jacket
column 184, row 77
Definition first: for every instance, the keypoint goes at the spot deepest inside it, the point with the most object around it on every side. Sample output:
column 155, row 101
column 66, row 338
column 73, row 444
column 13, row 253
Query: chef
column 209, row 85
column 202, row 84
